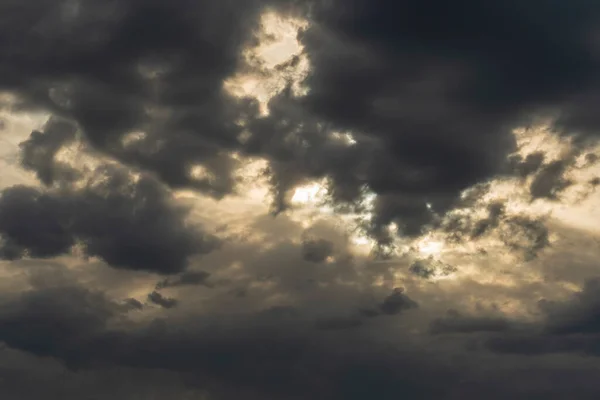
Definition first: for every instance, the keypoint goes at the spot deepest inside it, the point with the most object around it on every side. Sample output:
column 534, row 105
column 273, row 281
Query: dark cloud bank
column 429, row 89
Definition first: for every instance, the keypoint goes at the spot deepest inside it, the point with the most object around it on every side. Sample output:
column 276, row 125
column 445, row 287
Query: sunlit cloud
column 276, row 62
column 304, row 195
column 429, row 247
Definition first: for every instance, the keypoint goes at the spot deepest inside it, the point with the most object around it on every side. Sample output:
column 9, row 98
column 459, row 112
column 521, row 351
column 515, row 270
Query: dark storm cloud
column 189, row 278
column 433, row 104
column 571, row 326
column 119, row 67
column 33, row 222
column 579, row 315
column 531, row 344
column 438, row 96
column 524, row 167
column 394, row 304
column 269, row 357
column 430, row 91
column 550, row 180
column 297, row 350
column 431, row 101
column 429, row 268
column 115, row 383
column 335, row 324
column 134, row 304
column 39, row 152
column 266, row 357
column 132, row 224
column 496, row 212
column 316, row 250
column 397, row 302
column 160, row 300
column 51, row 322
column 591, row 158
column 523, row 234
column 455, row 322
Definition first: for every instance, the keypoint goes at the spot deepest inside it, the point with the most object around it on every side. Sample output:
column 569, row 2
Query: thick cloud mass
column 430, row 100
column 128, row 223
column 316, row 251
column 572, row 326
column 406, row 113
column 438, row 87
column 151, row 66
column 72, row 324
column 39, row 152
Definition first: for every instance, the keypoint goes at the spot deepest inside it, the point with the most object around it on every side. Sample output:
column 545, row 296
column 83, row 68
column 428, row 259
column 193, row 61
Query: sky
column 299, row 199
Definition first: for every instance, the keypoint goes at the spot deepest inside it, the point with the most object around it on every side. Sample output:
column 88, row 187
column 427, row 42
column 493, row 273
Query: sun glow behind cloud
column 277, row 61
column 429, row 247
column 307, row 194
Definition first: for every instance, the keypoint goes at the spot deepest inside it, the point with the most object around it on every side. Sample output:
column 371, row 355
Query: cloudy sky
column 299, row 199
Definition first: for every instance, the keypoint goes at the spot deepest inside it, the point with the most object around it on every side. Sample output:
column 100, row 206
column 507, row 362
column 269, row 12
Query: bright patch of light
column 201, row 173
column 541, row 138
column 75, row 156
column 132, row 138
column 362, row 241
column 282, row 42
column 308, row 194
column 429, row 247
column 345, row 138
column 308, row 203
column 276, row 62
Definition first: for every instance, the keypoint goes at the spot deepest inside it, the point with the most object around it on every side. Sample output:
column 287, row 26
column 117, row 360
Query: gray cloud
column 51, row 322
column 550, row 180
column 129, row 224
column 454, row 322
column 529, row 165
column 188, row 278
column 457, row 134
column 73, row 326
column 167, row 83
column 428, row 268
column 39, row 152
column 521, row 233
column 135, row 304
column 316, row 250
column 160, row 300
column 571, row 326
column 31, row 221
column 397, row 302
column 338, row 323
column 315, row 343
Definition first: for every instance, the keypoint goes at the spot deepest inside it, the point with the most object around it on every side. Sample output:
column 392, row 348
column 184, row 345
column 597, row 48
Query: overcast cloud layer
column 158, row 239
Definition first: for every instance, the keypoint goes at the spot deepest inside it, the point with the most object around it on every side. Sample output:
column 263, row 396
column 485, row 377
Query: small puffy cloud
column 162, row 301
column 188, row 278
column 39, row 152
column 397, row 302
column 316, row 250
